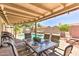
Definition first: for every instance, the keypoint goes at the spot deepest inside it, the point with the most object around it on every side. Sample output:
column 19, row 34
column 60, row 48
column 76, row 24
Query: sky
column 72, row 17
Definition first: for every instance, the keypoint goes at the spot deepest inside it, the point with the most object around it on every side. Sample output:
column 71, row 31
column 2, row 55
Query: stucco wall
column 74, row 31
column 1, row 21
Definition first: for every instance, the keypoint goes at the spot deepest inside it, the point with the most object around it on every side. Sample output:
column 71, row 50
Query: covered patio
column 12, row 14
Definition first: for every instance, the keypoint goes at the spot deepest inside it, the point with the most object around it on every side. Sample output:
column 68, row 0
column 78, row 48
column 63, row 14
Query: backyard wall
column 74, row 31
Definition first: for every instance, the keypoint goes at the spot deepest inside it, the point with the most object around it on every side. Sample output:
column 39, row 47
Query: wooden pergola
column 16, row 13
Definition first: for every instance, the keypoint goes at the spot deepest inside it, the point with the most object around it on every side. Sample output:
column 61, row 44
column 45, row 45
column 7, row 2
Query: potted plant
column 37, row 39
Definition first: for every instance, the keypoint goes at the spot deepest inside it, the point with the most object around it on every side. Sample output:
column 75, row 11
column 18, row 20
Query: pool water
column 38, row 35
column 21, row 36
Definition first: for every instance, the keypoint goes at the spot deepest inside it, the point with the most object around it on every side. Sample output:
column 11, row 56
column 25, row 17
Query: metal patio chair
column 67, row 51
column 8, row 50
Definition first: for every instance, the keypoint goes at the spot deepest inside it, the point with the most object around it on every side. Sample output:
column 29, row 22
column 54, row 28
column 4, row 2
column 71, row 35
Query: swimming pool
column 21, row 36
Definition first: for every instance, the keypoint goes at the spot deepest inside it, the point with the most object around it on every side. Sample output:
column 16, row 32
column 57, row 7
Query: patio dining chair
column 4, row 33
column 6, row 36
column 55, row 38
column 21, row 47
column 47, row 36
column 71, row 38
column 19, row 44
column 67, row 51
column 27, row 33
column 8, row 50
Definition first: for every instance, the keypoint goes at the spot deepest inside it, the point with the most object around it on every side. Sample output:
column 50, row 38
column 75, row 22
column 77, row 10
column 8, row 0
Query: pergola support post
column 35, row 29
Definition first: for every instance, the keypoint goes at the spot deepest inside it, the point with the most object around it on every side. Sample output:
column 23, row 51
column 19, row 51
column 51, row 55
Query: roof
column 74, row 24
column 13, row 13
column 54, row 30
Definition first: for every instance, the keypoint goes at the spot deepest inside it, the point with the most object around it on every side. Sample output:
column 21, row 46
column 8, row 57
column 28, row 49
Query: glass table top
column 42, row 46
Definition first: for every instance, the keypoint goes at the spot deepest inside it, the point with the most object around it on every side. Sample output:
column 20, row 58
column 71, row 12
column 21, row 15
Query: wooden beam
column 41, row 6
column 14, row 19
column 14, row 10
column 23, row 8
column 62, row 11
column 18, row 15
column 63, row 4
column 72, row 7
column 59, row 12
column 3, row 14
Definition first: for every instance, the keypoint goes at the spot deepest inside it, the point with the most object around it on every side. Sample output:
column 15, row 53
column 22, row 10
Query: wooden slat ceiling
column 31, row 12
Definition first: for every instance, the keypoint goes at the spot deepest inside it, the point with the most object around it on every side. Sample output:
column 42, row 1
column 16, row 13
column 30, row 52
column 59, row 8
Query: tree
column 29, row 25
column 16, row 29
column 63, row 27
column 39, row 25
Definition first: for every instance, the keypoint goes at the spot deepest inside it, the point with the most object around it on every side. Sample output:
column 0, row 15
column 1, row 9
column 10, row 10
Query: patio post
column 35, row 29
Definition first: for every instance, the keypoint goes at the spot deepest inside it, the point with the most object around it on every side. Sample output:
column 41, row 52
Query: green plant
column 39, row 25
column 63, row 27
column 16, row 29
column 37, row 39
column 29, row 25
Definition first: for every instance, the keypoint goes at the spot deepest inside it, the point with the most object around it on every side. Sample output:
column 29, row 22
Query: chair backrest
column 6, row 36
column 27, row 35
column 46, row 36
column 12, row 48
column 68, row 50
column 55, row 38
column 8, row 50
column 67, row 35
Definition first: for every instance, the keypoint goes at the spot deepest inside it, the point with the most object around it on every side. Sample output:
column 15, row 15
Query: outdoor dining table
column 41, row 47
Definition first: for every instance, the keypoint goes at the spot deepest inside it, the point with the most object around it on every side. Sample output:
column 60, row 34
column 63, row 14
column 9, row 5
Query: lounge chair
column 71, row 38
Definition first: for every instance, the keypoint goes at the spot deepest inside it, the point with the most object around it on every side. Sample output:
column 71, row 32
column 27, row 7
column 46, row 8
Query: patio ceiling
column 15, row 13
